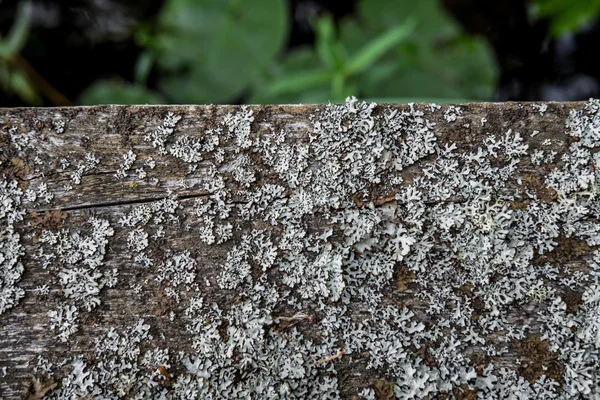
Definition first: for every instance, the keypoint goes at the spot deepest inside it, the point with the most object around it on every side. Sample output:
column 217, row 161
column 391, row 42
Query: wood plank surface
column 354, row 251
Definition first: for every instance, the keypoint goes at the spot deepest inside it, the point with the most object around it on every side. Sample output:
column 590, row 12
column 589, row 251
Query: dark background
column 107, row 51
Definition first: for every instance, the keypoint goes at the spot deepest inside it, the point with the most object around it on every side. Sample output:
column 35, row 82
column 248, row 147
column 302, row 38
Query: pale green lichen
column 11, row 268
column 452, row 227
column 80, row 253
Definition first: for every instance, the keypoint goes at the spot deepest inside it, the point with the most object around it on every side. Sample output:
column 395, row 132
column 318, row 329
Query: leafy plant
column 396, row 52
column 336, row 69
column 438, row 61
column 214, row 51
column 204, row 51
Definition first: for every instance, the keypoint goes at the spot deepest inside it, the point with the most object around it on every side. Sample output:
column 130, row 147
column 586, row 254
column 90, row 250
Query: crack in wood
column 129, row 202
column 101, row 205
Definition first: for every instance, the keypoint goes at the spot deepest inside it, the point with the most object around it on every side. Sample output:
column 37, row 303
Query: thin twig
column 331, row 358
column 296, row 317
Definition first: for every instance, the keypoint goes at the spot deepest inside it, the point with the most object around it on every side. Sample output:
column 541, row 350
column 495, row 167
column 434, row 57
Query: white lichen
column 159, row 136
column 11, row 249
column 128, row 160
column 408, row 272
column 65, row 320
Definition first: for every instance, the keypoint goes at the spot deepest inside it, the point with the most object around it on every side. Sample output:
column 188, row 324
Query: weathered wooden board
column 351, row 251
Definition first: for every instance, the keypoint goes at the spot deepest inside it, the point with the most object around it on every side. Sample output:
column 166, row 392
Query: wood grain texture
column 31, row 153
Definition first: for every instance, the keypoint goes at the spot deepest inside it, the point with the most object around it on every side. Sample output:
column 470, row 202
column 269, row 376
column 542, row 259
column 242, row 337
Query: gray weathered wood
column 513, row 203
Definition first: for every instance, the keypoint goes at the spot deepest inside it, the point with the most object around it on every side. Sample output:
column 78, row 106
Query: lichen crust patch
column 348, row 250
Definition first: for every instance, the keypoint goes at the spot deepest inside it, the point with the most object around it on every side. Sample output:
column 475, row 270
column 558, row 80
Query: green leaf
column 111, row 92
column 353, row 35
column 218, row 46
column 468, row 65
column 433, row 22
column 383, row 71
column 409, row 81
column 297, row 60
column 296, row 74
column 202, row 85
column 567, row 16
column 379, row 46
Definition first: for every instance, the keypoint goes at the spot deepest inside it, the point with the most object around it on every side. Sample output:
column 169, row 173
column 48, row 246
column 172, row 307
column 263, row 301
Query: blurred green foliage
column 214, row 51
column 328, row 65
column 566, row 15
column 12, row 78
column 224, row 51
column 116, row 92
column 210, row 51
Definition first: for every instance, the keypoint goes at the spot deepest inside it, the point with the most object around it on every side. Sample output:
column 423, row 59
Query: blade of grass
column 18, row 33
column 20, row 85
column 297, row 82
column 325, row 39
column 375, row 49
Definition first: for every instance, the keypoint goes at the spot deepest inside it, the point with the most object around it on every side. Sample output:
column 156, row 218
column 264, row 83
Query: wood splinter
column 331, row 358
